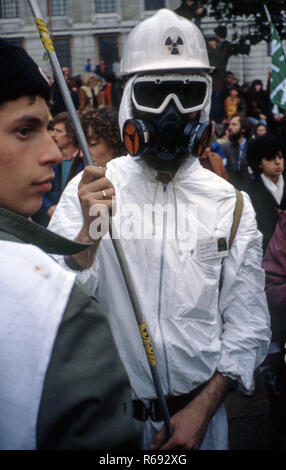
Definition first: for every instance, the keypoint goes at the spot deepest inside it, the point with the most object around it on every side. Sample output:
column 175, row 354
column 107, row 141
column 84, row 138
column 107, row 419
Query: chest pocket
column 195, row 293
column 197, row 283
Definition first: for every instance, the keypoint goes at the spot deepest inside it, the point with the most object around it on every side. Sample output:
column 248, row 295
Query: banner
column 278, row 75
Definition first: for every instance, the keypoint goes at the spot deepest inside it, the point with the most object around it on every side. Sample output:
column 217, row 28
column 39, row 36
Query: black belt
column 174, row 404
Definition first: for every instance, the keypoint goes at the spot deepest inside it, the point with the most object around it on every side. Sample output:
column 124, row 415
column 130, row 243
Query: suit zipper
column 161, row 288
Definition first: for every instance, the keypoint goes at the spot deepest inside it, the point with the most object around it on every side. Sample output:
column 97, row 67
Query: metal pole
column 48, row 45
column 50, row 19
column 267, row 13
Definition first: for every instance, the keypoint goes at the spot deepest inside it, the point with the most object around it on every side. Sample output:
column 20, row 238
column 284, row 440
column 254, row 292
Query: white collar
column 276, row 189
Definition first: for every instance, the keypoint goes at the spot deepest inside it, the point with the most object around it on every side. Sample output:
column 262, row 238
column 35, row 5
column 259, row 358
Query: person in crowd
column 244, row 89
column 103, row 135
column 273, row 370
column 231, row 102
column 202, row 334
column 100, row 69
column 64, row 136
column 116, row 67
column 58, row 104
column 72, row 163
column 260, row 129
column 239, row 133
column 213, row 162
column 104, row 141
column 215, row 146
column 88, row 66
column 234, row 103
column 63, row 385
column 219, row 54
column 277, row 121
column 75, row 84
column 91, row 94
column 258, row 103
column 192, row 10
column 113, row 90
column 230, row 81
column 267, row 191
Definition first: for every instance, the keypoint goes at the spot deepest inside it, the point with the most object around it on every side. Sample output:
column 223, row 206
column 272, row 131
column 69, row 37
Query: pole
column 48, row 45
column 50, row 19
column 267, row 13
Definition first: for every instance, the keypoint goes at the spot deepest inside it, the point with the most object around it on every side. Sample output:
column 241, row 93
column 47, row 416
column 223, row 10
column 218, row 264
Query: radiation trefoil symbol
column 175, row 47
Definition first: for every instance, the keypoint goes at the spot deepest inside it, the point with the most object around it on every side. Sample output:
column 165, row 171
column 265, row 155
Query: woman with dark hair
column 258, row 103
column 267, row 191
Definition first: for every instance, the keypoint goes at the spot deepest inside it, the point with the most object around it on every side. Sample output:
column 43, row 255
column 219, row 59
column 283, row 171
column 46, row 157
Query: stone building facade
column 97, row 29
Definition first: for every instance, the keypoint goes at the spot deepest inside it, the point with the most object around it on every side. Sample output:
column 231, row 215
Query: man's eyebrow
column 28, row 119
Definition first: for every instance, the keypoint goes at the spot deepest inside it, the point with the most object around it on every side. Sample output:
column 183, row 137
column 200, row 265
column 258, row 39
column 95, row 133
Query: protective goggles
column 153, row 93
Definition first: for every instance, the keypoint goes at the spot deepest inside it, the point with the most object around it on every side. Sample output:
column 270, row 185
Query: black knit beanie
column 19, row 74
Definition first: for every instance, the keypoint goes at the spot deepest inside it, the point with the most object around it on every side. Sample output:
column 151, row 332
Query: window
column 108, row 50
column 105, row 6
column 154, row 4
column 9, row 9
column 63, row 51
column 58, row 7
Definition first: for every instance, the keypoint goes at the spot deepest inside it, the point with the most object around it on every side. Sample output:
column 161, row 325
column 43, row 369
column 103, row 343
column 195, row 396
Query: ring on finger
column 104, row 194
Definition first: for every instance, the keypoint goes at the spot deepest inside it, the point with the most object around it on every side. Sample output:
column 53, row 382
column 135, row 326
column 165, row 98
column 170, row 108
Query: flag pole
column 48, row 45
column 267, row 13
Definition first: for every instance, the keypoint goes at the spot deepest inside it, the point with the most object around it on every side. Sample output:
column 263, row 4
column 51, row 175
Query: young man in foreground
column 62, row 383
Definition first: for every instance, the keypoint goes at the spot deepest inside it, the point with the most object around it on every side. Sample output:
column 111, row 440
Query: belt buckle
column 145, row 412
column 154, row 412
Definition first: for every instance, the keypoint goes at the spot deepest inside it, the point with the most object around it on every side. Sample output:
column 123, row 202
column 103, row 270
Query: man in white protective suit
column 203, row 303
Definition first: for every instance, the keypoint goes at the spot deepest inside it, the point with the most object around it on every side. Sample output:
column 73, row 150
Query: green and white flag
column 278, row 74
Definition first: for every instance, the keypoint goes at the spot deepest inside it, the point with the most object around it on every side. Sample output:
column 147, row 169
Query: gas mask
column 163, row 105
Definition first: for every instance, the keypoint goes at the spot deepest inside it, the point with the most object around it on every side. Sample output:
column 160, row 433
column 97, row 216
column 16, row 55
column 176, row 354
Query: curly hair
column 104, row 125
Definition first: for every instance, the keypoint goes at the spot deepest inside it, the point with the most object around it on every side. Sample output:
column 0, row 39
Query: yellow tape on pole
column 44, row 33
column 147, row 343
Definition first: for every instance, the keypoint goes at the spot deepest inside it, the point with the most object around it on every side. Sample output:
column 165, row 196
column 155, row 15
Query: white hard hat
column 165, row 41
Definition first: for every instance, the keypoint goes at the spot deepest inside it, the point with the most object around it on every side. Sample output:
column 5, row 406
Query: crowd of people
column 82, row 375
column 88, row 90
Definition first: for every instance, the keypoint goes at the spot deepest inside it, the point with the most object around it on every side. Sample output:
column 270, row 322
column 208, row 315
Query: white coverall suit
column 195, row 329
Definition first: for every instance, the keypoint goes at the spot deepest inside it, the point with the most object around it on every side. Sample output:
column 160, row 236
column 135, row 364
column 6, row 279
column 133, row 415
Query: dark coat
column 274, row 263
column 258, row 103
column 239, row 178
column 265, row 207
column 219, row 58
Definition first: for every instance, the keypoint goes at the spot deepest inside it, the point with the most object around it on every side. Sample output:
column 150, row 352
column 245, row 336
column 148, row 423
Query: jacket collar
column 26, row 231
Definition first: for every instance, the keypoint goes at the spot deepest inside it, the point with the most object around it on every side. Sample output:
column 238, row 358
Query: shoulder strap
column 236, row 216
